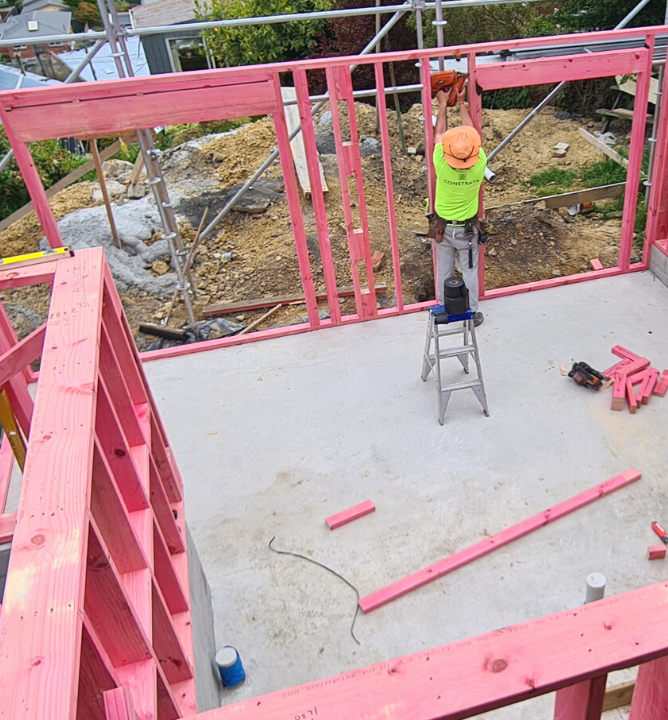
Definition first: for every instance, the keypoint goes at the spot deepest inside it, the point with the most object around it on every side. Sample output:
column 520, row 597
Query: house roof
column 10, row 76
column 163, row 12
column 39, row 4
column 36, row 23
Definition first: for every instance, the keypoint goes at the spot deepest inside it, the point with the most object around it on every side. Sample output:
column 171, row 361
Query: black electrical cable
column 324, row 567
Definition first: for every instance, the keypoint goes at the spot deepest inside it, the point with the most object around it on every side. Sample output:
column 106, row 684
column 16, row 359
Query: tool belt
column 437, row 226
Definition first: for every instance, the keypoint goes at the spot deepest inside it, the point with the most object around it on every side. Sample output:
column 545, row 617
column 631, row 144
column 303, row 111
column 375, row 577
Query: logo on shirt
column 462, row 176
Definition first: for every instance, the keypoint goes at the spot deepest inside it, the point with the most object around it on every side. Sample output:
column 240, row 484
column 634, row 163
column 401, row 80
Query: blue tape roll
column 230, row 667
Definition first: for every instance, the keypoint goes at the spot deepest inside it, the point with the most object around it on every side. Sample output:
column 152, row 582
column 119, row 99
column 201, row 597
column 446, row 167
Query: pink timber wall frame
column 95, row 621
column 124, row 105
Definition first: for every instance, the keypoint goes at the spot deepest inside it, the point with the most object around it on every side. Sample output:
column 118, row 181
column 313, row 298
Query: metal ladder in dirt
column 440, row 325
column 156, row 180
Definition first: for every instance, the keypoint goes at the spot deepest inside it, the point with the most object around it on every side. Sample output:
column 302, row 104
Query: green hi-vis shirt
column 457, row 190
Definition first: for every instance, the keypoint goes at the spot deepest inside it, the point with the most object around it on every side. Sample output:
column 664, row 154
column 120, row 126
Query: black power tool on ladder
column 586, row 376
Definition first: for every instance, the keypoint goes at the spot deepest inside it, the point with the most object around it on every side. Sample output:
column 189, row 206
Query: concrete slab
column 274, row 436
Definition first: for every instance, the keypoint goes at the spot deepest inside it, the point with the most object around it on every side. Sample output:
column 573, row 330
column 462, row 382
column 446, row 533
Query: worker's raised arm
column 464, row 108
column 441, row 118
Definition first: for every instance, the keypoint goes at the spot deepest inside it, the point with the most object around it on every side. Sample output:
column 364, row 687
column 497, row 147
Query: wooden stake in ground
column 105, row 192
column 264, row 317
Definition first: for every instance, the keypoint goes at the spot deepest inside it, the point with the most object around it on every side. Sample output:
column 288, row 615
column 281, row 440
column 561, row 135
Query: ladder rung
column 453, row 352
column 461, row 385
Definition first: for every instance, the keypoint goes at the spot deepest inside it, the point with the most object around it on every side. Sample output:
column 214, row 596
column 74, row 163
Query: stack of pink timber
column 633, row 371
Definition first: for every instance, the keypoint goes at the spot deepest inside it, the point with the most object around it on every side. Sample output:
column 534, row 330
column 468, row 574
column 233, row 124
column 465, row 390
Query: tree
column 87, row 13
column 484, row 24
column 249, row 45
column 578, row 15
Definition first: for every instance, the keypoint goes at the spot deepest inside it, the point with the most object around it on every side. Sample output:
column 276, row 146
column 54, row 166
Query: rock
column 556, row 273
column 411, row 151
column 136, row 192
column 114, row 168
column 370, row 146
column 252, row 205
column 240, row 318
column 324, row 140
column 492, row 252
column 513, row 241
column 325, row 119
column 160, row 267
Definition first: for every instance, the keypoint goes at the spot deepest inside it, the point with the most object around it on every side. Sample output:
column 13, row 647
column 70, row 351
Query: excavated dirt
column 527, row 242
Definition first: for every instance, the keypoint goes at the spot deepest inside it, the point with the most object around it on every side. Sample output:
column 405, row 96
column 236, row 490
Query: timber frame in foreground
column 97, row 594
column 122, row 106
column 95, row 623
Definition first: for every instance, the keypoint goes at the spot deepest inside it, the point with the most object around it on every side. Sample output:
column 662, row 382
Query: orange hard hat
column 461, row 147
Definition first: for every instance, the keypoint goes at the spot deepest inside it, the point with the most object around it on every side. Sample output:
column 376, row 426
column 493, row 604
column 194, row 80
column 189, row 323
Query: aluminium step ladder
column 441, row 324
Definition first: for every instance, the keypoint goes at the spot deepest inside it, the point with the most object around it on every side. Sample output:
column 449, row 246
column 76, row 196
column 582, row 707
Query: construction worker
column 460, row 164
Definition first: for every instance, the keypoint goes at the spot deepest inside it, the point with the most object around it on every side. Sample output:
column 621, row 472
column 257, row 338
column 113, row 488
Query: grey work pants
column 455, row 240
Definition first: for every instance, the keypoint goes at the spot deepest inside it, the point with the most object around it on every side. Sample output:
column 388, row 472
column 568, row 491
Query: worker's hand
column 461, row 96
column 442, row 98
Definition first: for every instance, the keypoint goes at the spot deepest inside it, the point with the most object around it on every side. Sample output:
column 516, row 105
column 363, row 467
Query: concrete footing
column 658, row 264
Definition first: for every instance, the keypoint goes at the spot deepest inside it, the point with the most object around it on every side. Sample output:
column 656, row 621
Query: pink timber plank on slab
column 43, row 602
column 630, row 397
column 346, row 516
column 662, row 385
column 656, row 552
column 622, row 352
column 618, row 392
column 484, row 547
column 483, row 673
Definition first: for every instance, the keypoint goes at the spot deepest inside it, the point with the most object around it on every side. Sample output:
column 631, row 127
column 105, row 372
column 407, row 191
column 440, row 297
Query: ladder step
column 461, row 385
column 453, row 352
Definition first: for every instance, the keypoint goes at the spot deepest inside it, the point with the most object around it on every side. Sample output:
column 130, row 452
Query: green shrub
column 232, row 46
column 52, row 162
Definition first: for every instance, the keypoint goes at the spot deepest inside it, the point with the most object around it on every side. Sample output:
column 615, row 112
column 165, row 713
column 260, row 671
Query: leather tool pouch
column 436, row 227
column 481, row 224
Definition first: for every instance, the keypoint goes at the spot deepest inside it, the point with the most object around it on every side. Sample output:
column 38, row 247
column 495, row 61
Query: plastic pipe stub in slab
column 595, row 587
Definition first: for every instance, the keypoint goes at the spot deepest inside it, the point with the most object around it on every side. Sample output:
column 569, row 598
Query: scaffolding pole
column 265, row 165
column 119, row 52
column 555, row 92
column 655, row 123
column 243, row 22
